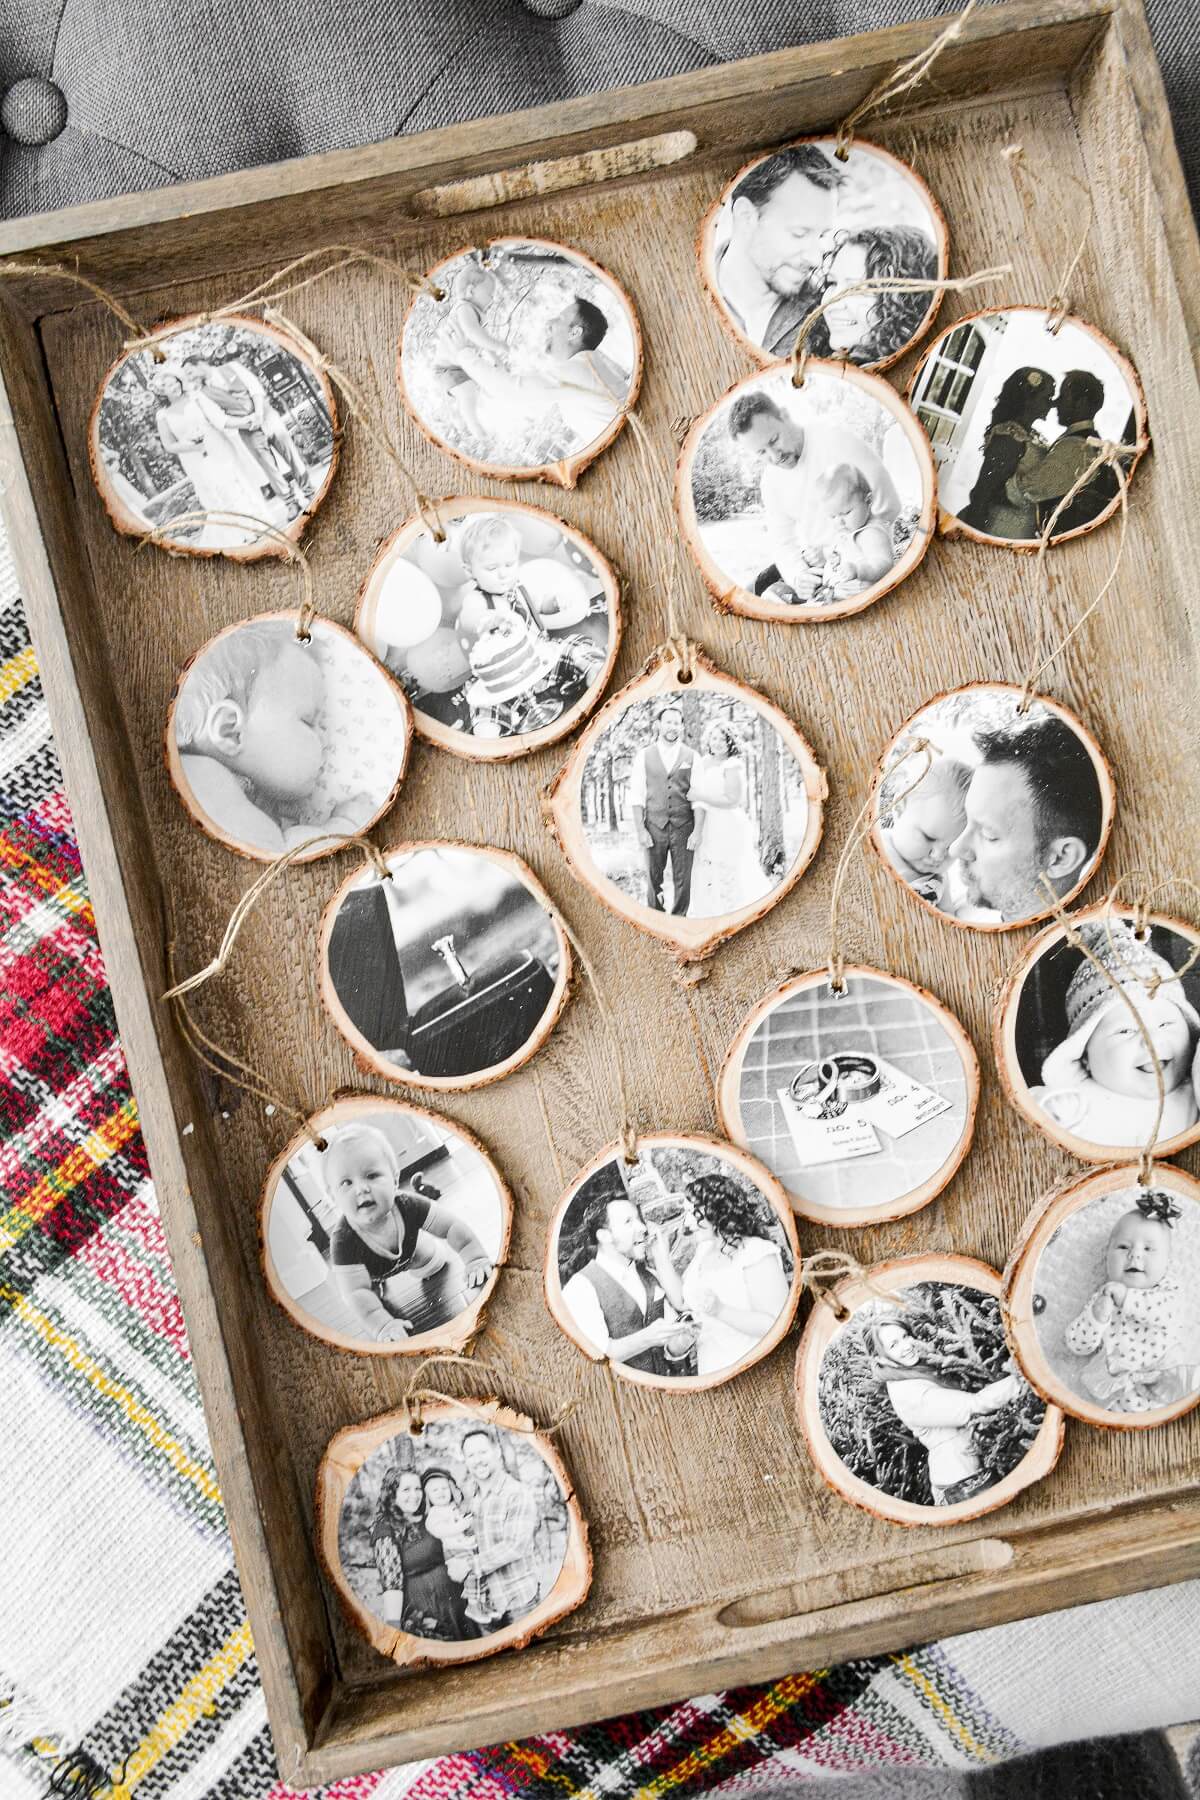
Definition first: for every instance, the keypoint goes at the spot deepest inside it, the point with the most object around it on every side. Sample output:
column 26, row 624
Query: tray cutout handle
column 949, row 1562
column 475, row 193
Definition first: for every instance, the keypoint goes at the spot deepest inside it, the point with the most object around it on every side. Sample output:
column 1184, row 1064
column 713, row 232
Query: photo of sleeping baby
column 388, row 1233
column 274, row 739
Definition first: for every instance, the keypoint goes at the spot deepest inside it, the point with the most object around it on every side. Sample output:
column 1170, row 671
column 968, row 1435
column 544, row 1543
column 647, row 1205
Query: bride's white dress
column 735, row 1278
column 223, row 474
column 726, row 871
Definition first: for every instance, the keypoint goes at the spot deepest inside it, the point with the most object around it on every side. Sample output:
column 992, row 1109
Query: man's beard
column 787, row 288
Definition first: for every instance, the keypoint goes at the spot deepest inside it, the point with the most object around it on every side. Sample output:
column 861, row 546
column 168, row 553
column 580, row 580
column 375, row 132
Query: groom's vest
column 667, row 800
column 622, row 1315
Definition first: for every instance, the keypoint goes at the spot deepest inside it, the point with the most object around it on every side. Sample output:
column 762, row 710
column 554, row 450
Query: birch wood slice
column 527, row 365
column 1010, row 438
column 1141, row 1367
column 230, row 417
column 862, row 1101
column 464, row 1462
column 862, row 1424
column 280, row 733
column 980, row 795
column 804, row 221
column 364, row 1166
column 1070, row 1055
column 764, row 812
column 504, row 636
column 693, row 1242
column 806, row 503
column 448, row 974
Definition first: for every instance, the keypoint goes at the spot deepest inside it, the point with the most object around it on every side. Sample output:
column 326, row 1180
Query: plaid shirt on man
column 506, row 1518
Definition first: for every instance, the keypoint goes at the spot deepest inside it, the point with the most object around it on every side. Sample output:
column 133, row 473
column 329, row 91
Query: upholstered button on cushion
column 33, row 111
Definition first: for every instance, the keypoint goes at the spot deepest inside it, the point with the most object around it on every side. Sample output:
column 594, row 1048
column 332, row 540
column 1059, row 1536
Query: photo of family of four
column 676, row 1265
column 454, row 1534
column 1014, row 412
column 797, row 227
column 1003, row 813
column 525, row 361
column 234, row 420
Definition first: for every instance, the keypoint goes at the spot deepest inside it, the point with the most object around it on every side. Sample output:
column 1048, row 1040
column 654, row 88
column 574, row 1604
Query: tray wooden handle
column 640, row 156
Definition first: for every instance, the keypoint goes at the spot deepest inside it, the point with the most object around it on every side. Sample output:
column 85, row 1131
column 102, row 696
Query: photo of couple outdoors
column 676, row 1265
column 232, row 421
column 455, row 1533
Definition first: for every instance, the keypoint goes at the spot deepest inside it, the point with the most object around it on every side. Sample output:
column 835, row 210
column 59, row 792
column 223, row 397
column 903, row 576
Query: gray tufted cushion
column 155, row 94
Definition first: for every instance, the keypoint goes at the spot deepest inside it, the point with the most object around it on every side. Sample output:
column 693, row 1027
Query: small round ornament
column 1100, row 1296
column 808, row 220
column 1009, row 793
column 528, row 363
column 680, row 1268
column 234, row 419
column 806, row 503
column 861, row 1099
column 284, row 730
column 1070, row 1053
column 503, row 636
column 415, row 1512
column 450, row 972
column 384, row 1228
column 908, row 1397
column 690, row 805
column 1015, row 402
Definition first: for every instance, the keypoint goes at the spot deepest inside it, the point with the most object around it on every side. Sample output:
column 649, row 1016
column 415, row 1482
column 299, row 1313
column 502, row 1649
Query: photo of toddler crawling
column 1128, row 1330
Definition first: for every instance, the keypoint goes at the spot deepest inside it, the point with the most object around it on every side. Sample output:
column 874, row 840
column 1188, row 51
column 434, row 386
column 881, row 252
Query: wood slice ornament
column 806, row 501
column 384, row 1228
column 1010, row 791
column 812, row 217
column 690, row 805
column 450, row 972
column 1100, row 1296
column 414, row 1508
column 1016, row 401
column 679, row 1268
column 527, row 365
column 861, row 1099
column 504, row 635
column 908, row 1398
column 1071, row 1057
column 284, row 729
column 228, row 416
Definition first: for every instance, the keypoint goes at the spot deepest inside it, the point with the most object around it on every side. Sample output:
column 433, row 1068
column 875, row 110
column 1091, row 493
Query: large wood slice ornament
column 1070, row 1053
column 384, row 1228
column 690, row 805
column 681, row 1268
column 1101, row 1301
column 810, row 219
column 231, row 418
column 450, row 1531
column 805, row 503
column 1015, row 402
column 284, row 731
column 527, row 365
column 450, row 972
column 861, row 1099
column 1008, row 793
column 908, row 1397
column 503, row 636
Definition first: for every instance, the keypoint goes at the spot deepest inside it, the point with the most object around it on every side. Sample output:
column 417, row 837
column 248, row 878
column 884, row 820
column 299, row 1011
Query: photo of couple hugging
column 453, row 1534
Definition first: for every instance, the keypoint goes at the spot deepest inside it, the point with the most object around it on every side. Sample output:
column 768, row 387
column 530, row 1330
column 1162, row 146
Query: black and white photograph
column 1004, row 812
column 794, row 228
column 450, row 972
column 235, row 419
column 1014, row 411
column 527, row 363
column 860, row 1100
column 383, row 1227
column 678, row 1268
column 1083, row 1048
column 277, row 739
column 503, row 635
column 806, row 503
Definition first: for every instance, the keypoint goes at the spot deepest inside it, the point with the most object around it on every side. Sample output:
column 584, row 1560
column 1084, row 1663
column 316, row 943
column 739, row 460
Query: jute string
column 832, row 1266
column 854, row 837
column 1033, row 191
column 885, row 284
column 162, row 534
column 902, row 80
column 416, row 1394
column 1140, row 909
column 627, row 1134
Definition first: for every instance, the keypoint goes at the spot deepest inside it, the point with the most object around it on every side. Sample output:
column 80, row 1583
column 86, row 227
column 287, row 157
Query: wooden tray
column 727, row 1560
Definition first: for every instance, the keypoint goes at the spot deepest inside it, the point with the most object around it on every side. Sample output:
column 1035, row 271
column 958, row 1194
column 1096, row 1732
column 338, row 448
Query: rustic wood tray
column 727, row 1559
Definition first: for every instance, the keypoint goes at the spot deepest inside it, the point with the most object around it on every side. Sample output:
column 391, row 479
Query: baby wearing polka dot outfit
column 1128, row 1327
